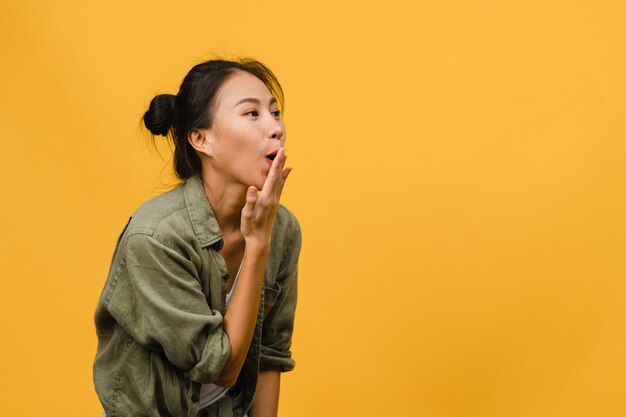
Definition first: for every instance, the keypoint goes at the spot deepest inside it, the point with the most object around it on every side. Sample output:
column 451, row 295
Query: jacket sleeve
column 278, row 324
column 158, row 300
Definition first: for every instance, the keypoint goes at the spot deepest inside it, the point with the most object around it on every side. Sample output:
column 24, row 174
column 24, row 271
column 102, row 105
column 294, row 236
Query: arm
column 155, row 296
column 257, row 218
column 278, row 328
column 240, row 317
column 279, row 322
column 265, row 402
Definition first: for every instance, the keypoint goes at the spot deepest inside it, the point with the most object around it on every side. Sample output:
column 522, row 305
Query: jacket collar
column 201, row 214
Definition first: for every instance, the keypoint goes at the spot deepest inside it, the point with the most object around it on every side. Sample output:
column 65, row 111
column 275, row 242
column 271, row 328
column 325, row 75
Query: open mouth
column 272, row 156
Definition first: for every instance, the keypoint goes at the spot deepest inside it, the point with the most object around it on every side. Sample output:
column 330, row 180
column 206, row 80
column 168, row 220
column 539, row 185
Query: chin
column 258, row 184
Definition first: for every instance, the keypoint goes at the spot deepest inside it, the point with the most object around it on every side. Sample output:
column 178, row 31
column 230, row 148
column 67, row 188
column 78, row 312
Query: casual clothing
column 159, row 317
column 209, row 393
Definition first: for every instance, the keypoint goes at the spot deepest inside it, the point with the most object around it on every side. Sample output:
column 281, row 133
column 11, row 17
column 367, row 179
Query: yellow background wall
column 459, row 177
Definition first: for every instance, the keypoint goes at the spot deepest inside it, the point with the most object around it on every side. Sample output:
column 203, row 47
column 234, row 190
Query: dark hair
column 176, row 116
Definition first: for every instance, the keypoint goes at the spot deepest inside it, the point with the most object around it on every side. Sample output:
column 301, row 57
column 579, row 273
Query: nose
column 277, row 130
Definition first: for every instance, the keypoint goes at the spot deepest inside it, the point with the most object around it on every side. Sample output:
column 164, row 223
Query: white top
column 210, row 393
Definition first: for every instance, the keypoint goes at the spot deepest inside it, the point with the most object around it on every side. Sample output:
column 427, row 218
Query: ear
column 201, row 140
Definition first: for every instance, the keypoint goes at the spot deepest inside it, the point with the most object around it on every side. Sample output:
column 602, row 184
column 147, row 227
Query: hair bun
column 158, row 118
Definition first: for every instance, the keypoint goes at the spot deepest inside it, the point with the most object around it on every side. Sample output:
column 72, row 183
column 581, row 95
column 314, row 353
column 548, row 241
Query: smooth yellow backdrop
column 459, row 178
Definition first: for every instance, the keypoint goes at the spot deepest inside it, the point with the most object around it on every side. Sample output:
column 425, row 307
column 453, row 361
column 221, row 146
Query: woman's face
column 247, row 131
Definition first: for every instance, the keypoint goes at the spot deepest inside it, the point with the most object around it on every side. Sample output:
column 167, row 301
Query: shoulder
column 286, row 224
column 286, row 235
column 162, row 216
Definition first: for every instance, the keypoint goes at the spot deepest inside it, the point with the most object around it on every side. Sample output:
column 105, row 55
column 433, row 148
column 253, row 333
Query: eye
column 276, row 113
column 253, row 113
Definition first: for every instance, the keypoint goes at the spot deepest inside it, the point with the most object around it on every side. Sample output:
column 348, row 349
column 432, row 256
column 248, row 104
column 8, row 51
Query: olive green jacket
column 159, row 317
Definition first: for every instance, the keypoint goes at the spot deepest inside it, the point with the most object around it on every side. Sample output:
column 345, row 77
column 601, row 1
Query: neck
column 226, row 200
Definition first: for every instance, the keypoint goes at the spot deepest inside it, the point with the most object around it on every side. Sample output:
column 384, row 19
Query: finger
column 275, row 173
column 278, row 164
column 251, row 199
column 281, row 184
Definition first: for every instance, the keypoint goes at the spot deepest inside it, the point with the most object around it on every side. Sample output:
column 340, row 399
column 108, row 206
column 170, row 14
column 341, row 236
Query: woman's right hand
column 257, row 219
column 257, row 216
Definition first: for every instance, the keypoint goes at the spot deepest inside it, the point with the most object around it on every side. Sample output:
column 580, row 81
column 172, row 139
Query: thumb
column 252, row 193
column 251, row 198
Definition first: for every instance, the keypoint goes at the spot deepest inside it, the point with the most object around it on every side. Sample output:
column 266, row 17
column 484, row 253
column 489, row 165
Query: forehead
column 242, row 85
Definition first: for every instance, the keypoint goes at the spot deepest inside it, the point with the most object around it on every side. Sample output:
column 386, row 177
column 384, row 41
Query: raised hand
column 257, row 216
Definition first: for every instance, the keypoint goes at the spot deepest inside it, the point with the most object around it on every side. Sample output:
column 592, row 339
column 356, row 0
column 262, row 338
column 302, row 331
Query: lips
column 272, row 155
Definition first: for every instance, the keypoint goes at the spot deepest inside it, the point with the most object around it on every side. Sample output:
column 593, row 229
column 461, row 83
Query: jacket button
column 225, row 277
column 194, row 398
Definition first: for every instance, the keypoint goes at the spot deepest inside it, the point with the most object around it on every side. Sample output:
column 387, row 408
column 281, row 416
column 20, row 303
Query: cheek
column 227, row 142
column 237, row 136
column 283, row 139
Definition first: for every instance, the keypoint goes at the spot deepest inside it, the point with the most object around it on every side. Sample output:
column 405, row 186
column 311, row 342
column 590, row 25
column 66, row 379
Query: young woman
column 197, row 312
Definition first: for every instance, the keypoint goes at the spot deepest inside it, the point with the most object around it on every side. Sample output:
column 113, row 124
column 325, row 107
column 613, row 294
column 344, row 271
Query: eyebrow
column 253, row 100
